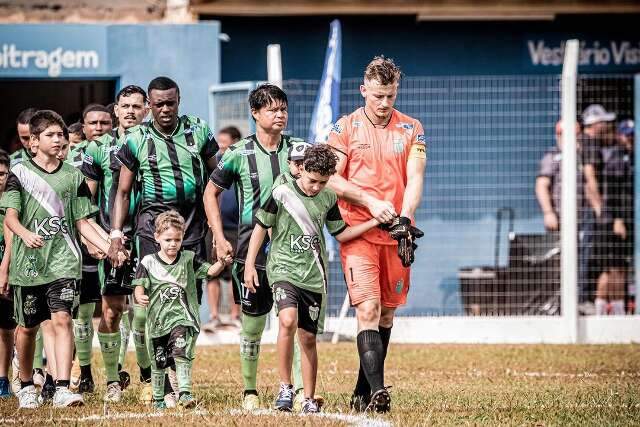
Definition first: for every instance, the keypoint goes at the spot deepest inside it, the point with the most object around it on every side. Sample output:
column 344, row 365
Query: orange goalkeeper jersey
column 376, row 162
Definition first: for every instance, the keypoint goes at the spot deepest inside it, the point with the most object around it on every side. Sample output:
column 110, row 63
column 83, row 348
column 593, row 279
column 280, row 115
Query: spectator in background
column 548, row 193
column 114, row 116
column 598, row 134
column 22, row 125
column 229, row 211
column 613, row 248
column 76, row 135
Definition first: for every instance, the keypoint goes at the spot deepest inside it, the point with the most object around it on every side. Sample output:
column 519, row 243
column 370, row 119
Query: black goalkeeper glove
column 405, row 234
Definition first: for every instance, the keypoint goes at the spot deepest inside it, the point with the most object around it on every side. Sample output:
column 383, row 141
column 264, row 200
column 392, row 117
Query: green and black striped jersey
column 100, row 165
column 172, row 172
column 253, row 170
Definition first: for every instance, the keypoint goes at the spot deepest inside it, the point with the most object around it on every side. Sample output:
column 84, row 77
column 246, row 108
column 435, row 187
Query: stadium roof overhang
column 423, row 10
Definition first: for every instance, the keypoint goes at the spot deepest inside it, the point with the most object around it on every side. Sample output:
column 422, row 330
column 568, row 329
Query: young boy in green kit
column 47, row 203
column 165, row 284
column 297, row 263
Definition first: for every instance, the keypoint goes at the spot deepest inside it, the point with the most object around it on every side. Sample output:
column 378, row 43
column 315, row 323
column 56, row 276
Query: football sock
column 251, row 333
column 183, row 371
column 110, row 345
column 297, row 366
column 385, row 335
column 37, row 354
column 83, row 330
column 362, row 385
column 157, row 382
column 142, row 354
column 371, row 357
column 125, row 330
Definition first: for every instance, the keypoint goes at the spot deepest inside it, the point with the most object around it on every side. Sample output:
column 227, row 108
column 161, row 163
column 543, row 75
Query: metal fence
column 485, row 250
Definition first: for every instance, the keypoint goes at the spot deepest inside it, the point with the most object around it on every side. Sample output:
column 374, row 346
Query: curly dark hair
column 321, row 159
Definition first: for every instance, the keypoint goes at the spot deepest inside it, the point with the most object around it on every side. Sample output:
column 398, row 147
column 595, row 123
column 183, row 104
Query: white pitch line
column 354, row 420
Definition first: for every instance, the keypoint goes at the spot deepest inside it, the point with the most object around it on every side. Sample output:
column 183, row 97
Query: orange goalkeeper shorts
column 374, row 272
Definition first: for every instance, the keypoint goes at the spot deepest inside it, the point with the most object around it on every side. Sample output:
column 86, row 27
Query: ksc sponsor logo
column 170, row 294
column 49, row 227
column 304, row 242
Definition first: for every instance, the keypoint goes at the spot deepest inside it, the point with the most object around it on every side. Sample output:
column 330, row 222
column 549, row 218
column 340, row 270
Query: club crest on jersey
column 31, row 269
column 49, row 227
column 188, row 133
column 314, row 312
column 304, row 242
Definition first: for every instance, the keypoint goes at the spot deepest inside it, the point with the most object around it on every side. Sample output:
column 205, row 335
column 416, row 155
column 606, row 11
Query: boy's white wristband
column 116, row 234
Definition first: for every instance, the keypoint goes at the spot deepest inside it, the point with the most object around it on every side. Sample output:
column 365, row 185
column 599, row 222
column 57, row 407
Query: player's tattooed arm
column 382, row 210
column 251, row 281
column 32, row 240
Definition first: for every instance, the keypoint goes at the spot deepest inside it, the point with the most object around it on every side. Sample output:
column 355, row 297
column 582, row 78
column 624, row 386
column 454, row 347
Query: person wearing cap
column 613, row 245
column 226, row 137
column 598, row 135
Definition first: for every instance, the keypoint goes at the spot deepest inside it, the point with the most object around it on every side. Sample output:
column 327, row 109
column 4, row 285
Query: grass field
column 432, row 385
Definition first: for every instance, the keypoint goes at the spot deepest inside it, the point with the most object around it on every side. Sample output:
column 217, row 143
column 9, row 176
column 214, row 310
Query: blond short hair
column 167, row 220
column 383, row 70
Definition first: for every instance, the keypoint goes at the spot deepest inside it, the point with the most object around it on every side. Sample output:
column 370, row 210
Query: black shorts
column 180, row 342
column 90, row 287
column 309, row 304
column 118, row 281
column 34, row 304
column 232, row 237
column 7, row 319
column 256, row 304
column 146, row 247
column 609, row 250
